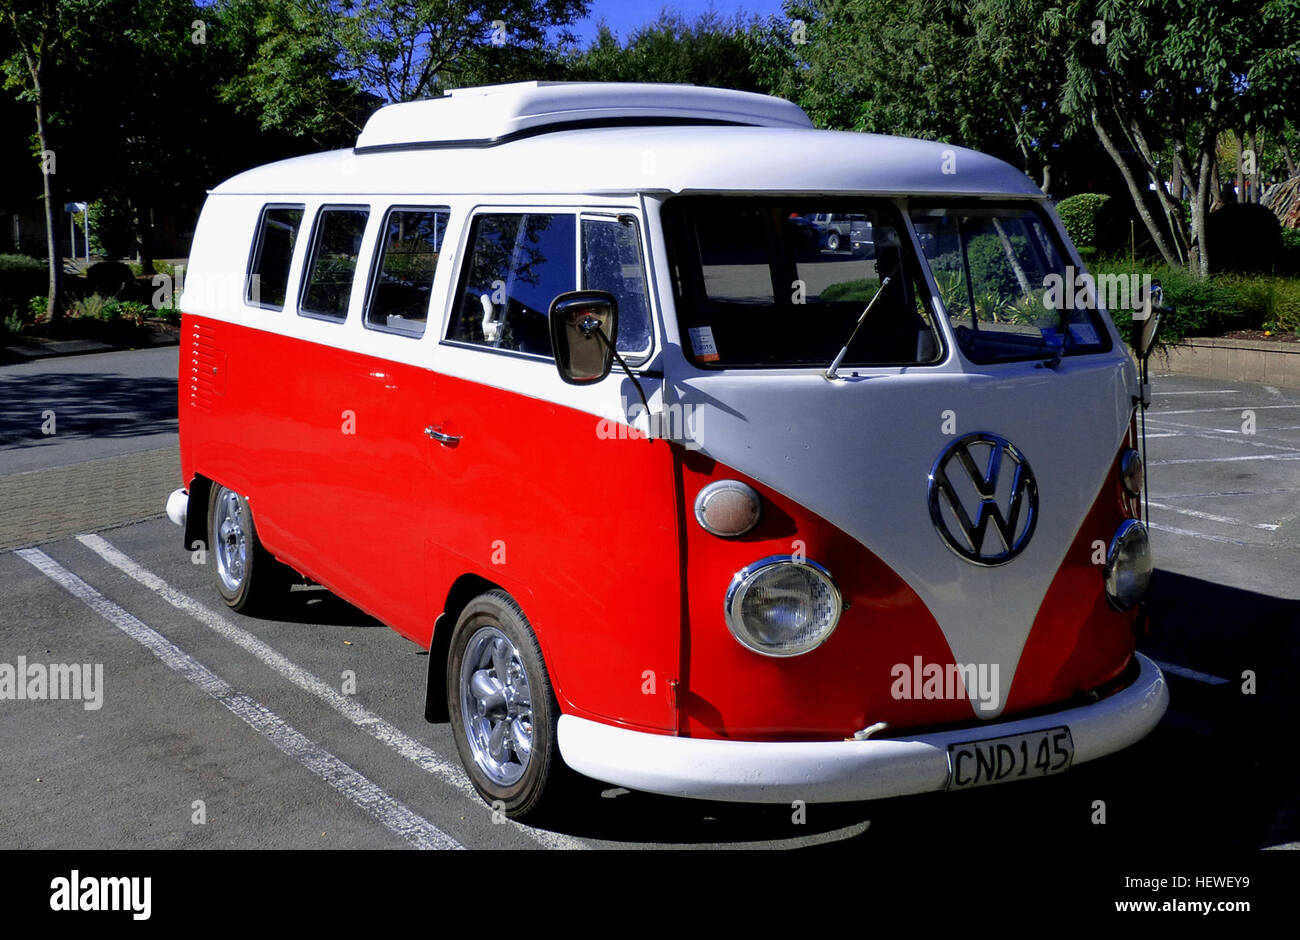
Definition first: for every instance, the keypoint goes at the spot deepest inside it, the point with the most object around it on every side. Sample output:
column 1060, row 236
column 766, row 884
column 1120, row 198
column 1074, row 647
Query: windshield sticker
column 702, row 344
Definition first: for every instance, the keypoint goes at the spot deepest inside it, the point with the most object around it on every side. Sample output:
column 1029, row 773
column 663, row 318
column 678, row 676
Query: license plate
column 1014, row 757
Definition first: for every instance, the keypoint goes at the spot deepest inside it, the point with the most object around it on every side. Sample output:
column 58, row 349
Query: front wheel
column 503, row 711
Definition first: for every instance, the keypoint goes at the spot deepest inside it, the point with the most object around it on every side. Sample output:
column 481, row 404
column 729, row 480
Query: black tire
column 259, row 581
column 833, row 241
column 542, row 776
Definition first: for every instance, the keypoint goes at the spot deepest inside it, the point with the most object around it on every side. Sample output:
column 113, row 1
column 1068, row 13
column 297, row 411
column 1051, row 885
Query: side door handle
column 436, row 432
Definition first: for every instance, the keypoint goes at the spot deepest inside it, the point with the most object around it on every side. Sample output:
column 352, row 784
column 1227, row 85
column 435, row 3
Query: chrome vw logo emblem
column 973, row 479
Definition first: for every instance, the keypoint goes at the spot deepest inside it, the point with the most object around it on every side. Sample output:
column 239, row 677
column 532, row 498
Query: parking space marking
column 1194, row 674
column 419, row 754
column 1226, row 520
column 1217, row 391
column 1177, row 460
column 1198, row 535
column 1207, row 411
column 356, row 788
column 1235, row 436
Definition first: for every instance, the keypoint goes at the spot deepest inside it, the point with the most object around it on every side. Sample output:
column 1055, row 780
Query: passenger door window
column 268, row 267
column 410, row 243
column 518, row 263
column 336, row 245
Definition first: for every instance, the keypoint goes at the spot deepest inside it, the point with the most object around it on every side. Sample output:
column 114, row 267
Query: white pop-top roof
column 495, row 113
column 493, row 141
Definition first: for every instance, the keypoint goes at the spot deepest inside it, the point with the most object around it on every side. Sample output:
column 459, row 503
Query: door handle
column 451, row 440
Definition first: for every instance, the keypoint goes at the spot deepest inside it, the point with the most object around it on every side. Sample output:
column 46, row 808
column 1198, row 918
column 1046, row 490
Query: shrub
column 94, row 307
column 110, row 278
column 20, row 278
column 1244, row 237
column 989, row 268
column 1079, row 214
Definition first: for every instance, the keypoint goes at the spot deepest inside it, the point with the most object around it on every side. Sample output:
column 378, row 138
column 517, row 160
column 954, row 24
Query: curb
column 31, row 352
column 1239, row 360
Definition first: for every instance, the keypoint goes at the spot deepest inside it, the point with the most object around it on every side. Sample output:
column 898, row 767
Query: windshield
column 772, row 282
column 1006, row 283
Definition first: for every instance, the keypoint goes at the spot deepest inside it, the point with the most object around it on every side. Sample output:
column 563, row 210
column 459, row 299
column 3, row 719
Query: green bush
column 1080, row 214
column 1244, row 237
column 20, row 278
column 95, row 307
column 990, row 270
column 1215, row 305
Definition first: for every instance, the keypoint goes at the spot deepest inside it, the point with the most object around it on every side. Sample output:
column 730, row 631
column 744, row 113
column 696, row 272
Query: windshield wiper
column 835, row 363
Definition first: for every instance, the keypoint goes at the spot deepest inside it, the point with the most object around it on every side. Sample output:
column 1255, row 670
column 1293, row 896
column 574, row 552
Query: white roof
column 494, row 141
column 497, row 112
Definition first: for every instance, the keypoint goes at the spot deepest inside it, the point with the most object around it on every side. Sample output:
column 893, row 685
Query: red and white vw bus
column 564, row 383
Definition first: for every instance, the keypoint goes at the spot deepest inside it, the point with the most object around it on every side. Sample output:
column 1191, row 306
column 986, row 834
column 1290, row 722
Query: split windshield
column 781, row 282
column 1006, row 283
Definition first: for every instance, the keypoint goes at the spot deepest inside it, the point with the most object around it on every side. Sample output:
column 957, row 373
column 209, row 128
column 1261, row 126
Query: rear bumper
column 839, row 771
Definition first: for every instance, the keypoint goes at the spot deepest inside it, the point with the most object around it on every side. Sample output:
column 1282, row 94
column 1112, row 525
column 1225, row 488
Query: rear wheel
column 503, row 711
column 248, row 576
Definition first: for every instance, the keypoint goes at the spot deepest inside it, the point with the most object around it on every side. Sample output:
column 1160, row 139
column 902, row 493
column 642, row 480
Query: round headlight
column 728, row 508
column 1128, row 565
column 1131, row 472
column 782, row 607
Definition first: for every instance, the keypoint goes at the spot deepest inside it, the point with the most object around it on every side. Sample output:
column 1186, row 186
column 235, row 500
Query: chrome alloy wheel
column 496, row 706
column 231, row 536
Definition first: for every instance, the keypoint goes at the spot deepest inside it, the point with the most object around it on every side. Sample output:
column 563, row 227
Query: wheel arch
column 463, row 590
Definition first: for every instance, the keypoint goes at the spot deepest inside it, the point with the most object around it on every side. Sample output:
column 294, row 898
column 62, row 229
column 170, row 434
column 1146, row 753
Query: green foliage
column 1215, row 305
column 12, row 325
column 94, row 307
column 859, row 290
column 706, row 51
column 1079, row 216
column 112, row 226
column 991, row 272
column 1244, row 237
column 21, row 277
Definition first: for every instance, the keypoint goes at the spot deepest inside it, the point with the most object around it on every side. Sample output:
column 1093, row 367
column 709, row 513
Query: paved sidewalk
column 41, row 505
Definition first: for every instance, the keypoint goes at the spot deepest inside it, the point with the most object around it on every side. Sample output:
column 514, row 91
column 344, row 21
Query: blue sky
column 623, row 16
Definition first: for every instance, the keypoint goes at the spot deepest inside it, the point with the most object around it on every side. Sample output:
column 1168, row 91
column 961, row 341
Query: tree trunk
column 1177, row 183
column 1290, row 161
column 1046, row 186
column 1206, row 181
column 1240, row 179
column 1157, row 236
column 54, row 300
column 1253, row 176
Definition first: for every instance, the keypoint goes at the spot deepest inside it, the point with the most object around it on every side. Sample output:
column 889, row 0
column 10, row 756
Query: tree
column 707, row 51
column 47, row 35
column 1161, row 81
column 316, row 67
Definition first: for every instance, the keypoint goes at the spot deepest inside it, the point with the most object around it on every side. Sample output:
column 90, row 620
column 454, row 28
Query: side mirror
column 584, row 329
column 1152, row 305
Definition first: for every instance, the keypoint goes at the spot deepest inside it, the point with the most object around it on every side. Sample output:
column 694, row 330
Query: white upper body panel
column 674, row 159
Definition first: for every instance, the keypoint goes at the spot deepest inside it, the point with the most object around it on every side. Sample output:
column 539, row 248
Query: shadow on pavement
column 85, row 405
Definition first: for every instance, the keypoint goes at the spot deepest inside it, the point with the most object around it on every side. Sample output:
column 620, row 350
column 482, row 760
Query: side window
column 409, row 245
column 335, row 246
column 517, row 264
column 611, row 261
column 268, row 266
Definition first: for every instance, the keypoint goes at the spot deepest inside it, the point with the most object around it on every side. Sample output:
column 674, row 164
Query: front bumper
column 839, row 771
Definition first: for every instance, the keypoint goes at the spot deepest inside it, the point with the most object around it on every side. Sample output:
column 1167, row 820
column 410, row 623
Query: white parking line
column 1198, row 535
column 1225, row 434
column 1226, row 520
column 422, row 756
column 1178, row 460
column 1206, row 411
column 1190, row 673
column 359, row 790
column 1217, row 391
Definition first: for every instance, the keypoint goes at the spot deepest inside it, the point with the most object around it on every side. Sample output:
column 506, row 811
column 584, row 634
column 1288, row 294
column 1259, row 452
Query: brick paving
column 41, row 505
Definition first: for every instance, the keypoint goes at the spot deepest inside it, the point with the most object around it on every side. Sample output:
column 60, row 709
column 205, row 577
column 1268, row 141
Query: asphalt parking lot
column 221, row 730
